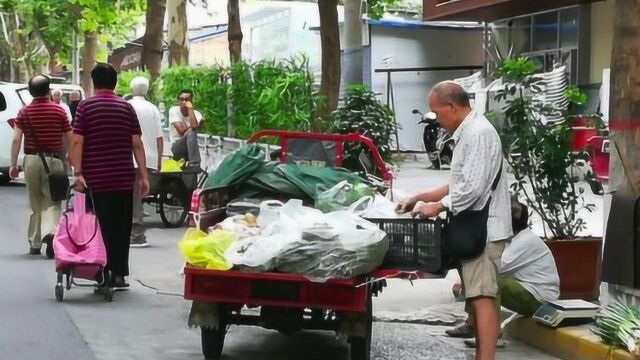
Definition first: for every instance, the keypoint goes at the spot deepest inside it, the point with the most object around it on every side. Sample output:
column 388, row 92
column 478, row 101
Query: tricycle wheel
column 173, row 204
column 361, row 345
column 213, row 341
column 59, row 288
column 108, row 293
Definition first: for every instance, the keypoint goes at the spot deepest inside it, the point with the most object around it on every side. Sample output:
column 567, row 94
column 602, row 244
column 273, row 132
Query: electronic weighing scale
column 565, row 312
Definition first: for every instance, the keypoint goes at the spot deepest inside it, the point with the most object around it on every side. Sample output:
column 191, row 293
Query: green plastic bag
column 206, row 251
column 341, row 196
column 237, row 166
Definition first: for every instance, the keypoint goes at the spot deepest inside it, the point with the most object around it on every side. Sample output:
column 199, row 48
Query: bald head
column 39, row 86
column 450, row 103
column 449, row 92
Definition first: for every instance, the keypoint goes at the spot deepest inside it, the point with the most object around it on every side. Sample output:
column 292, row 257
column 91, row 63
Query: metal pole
column 75, row 63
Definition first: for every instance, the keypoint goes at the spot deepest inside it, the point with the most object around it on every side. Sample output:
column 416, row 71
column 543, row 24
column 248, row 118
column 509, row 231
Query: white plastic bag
column 339, row 245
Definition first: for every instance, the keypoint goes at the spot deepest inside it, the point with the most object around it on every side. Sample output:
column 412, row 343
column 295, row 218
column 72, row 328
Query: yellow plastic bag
column 204, row 250
column 170, row 165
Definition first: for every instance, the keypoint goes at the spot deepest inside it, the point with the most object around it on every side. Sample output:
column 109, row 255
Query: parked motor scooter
column 437, row 142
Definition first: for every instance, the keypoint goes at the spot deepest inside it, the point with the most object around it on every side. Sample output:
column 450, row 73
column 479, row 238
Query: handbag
column 58, row 181
column 466, row 232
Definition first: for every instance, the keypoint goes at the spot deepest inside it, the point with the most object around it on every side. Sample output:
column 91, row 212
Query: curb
column 569, row 343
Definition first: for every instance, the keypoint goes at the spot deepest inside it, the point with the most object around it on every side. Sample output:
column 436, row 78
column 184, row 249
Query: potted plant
column 543, row 164
column 362, row 112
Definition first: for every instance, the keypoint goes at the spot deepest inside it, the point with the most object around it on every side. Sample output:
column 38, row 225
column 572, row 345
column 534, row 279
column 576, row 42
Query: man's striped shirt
column 42, row 122
column 107, row 124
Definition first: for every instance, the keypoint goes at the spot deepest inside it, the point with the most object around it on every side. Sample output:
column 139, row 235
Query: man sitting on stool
column 184, row 122
column 528, row 275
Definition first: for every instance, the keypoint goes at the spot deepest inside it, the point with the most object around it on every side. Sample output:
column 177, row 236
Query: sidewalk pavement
column 569, row 343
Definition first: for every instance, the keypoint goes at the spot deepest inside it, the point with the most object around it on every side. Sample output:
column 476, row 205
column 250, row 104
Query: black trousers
column 114, row 210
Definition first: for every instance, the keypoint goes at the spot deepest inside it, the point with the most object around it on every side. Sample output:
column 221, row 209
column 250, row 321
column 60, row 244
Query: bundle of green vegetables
column 619, row 325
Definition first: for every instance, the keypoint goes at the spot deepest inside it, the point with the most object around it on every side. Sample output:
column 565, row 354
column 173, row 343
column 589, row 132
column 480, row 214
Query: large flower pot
column 578, row 262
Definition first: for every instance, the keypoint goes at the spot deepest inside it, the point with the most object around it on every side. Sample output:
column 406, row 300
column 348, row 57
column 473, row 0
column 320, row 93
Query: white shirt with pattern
column 474, row 166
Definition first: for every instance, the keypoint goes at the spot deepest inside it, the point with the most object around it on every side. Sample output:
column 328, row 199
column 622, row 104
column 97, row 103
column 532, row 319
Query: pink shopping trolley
column 79, row 249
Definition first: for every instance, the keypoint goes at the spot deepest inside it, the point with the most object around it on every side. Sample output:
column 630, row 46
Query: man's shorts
column 480, row 275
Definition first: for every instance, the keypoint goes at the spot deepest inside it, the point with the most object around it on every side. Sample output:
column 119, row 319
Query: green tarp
column 256, row 177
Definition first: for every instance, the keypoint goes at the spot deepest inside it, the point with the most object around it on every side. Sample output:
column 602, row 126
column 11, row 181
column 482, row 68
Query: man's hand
column 14, row 172
column 188, row 105
column 406, row 206
column 428, row 210
column 79, row 184
column 160, row 165
column 144, row 186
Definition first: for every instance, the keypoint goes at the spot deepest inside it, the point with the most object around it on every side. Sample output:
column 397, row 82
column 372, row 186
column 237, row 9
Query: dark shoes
column 463, row 331
column 34, row 251
column 137, row 244
column 119, row 282
column 49, row 241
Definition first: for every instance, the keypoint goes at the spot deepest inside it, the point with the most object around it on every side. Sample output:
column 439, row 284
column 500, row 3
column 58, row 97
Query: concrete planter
column 579, row 267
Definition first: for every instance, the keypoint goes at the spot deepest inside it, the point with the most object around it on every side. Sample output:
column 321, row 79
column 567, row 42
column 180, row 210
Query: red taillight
column 12, row 123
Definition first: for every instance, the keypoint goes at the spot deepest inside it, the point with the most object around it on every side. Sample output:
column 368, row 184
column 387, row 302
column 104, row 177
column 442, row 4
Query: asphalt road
column 149, row 321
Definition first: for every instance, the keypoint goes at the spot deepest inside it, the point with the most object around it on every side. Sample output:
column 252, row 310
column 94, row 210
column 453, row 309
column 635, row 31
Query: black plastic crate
column 414, row 244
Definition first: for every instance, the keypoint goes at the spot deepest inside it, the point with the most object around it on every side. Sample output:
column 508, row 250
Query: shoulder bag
column 466, row 232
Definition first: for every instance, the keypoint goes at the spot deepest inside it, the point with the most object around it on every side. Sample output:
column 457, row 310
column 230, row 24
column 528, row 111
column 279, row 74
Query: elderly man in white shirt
column 476, row 163
column 56, row 97
column 153, row 140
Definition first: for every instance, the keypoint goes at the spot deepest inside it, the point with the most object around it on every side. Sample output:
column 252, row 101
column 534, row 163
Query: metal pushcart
column 170, row 193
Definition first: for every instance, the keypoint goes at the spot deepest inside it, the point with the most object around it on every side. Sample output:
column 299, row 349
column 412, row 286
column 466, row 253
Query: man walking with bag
column 476, row 190
column 151, row 125
column 106, row 132
column 43, row 125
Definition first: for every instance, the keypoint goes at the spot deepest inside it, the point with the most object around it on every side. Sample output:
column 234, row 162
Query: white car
column 12, row 98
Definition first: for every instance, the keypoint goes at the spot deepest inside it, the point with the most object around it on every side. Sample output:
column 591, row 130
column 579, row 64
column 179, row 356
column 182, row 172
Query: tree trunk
column 235, row 31
column 353, row 42
column 624, row 111
column 152, row 41
column 89, row 61
column 178, row 46
column 330, row 81
column 53, row 61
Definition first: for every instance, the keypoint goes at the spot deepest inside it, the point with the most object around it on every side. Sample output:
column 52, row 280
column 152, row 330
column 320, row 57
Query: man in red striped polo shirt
column 106, row 132
column 42, row 123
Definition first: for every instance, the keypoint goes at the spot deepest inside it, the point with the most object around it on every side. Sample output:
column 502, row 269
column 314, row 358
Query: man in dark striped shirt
column 106, row 132
column 42, row 123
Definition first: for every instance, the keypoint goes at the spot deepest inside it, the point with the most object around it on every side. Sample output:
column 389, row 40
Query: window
column 3, row 102
column 550, row 37
column 545, row 31
column 569, row 28
column 520, row 35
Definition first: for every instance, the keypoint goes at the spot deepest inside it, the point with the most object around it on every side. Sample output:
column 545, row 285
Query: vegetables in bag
column 207, row 250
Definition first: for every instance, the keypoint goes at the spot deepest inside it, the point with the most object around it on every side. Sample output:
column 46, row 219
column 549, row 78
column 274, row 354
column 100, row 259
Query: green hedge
column 262, row 95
